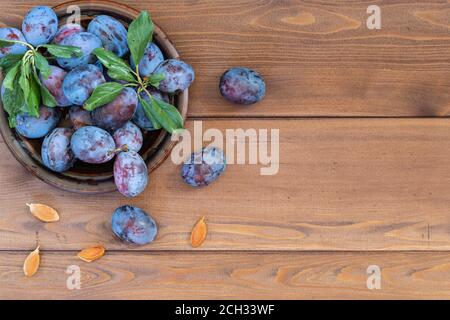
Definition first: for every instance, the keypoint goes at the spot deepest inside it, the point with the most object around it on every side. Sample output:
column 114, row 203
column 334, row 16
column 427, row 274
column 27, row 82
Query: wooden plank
column 348, row 184
column 230, row 276
column 318, row 58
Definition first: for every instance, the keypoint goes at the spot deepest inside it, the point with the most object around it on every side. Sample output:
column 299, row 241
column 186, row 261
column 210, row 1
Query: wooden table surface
column 364, row 173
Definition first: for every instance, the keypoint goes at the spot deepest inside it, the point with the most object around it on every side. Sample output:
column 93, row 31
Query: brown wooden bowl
column 87, row 178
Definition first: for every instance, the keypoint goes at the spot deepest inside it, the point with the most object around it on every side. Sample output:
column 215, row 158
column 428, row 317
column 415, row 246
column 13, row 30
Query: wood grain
column 318, row 57
column 348, row 184
column 230, row 276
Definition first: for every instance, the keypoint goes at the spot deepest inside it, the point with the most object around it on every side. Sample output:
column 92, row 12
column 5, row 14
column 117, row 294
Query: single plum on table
column 80, row 82
column 80, row 117
column 66, row 31
column 87, row 42
column 140, row 118
column 133, row 225
column 203, row 167
column 92, row 145
column 178, row 76
column 40, row 25
column 33, row 128
column 115, row 114
column 152, row 58
column 12, row 34
column 112, row 34
column 130, row 173
column 56, row 152
column 129, row 135
column 242, row 86
column 54, row 84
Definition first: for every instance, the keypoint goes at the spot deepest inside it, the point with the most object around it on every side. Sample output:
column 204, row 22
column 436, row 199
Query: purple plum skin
column 152, row 58
column 203, row 167
column 34, row 128
column 80, row 82
column 178, row 76
column 12, row 34
column 88, row 42
column 112, row 34
column 66, row 31
column 129, row 135
column 115, row 114
column 56, row 152
column 133, row 225
column 130, row 174
column 139, row 118
column 242, row 86
column 40, row 25
column 54, row 84
column 80, row 117
column 92, row 145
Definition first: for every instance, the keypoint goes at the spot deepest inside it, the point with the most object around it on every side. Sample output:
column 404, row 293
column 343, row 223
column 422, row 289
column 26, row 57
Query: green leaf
column 6, row 43
column 109, row 59
column 13, row 102
column 155, row 78
column 8, row 61
column 103, row 94
column 140, row 34
column 12, row 122
column 147, row 107
column 30, row 88
column 172, row 112
column 119, row 73
column 63, row 51
column 166, row 115
column 47, row 98
column 8, row 82
column 42, row 64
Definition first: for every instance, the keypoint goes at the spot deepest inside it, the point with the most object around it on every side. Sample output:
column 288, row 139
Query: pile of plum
column 110, row 131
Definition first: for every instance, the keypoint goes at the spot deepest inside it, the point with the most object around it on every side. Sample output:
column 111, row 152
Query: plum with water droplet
column 130, row 174
column 56, row 152
column 133, row 225
column 92, row 145
column 242, row 86
column 203, row 167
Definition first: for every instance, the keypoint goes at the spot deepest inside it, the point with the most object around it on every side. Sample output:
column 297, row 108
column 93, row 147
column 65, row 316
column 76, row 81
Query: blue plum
column 242, row 86
column 80, row 117
column 40, row 25
column 130, row 173
column 56, row 152
column 129, row 135
column 80, row 82
column 203, row 167
column 133, row 225
column 54, row 84
column 139, row 118
column 66, row 31
column 115, row 114
column 178, row 76
column 152, row 58
column 111, row 32
column 12, row 34
column 92, row 145
column 87, row 42
column 33, row 128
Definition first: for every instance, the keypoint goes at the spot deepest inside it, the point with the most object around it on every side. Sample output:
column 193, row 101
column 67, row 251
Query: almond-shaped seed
column 92, row 253
column 43, row 212
column 198, row 234
column 31, row 264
